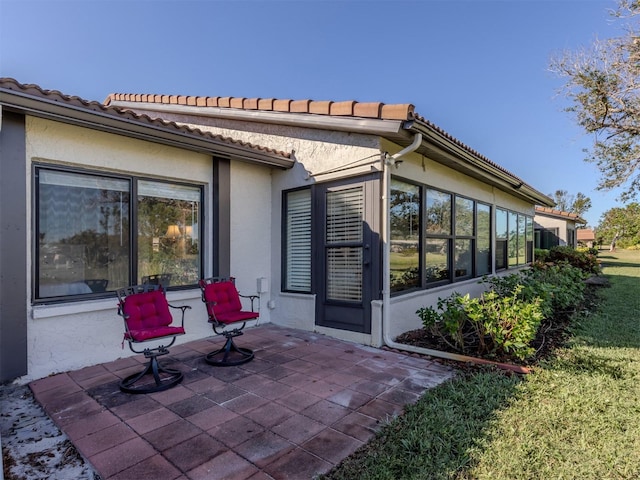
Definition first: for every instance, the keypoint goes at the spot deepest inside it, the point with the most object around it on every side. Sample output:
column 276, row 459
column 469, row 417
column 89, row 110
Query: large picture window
column 94, row 235
column 436, row 237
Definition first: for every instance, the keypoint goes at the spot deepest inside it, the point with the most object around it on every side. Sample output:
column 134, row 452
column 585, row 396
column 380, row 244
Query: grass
column 576, row 417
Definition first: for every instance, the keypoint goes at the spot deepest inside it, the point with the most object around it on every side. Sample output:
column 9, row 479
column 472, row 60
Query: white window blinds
column 298, row 238
column 345, row 209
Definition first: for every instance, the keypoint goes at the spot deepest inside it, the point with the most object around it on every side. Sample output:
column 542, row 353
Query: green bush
column 585, row 261
column 490, row 324
column 506, row 318
column 540, row 254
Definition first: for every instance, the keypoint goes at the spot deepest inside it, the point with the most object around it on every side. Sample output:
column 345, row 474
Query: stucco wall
column 550, row 223
column 315, row 152
column 69, row 336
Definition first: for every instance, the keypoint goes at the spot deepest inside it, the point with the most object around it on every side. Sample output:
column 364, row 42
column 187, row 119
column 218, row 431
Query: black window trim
column 37, row 166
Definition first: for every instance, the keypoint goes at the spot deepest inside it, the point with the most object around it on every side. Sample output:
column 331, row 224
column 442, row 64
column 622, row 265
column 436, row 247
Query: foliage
column 621, row 221
column 603, row 86
column 589, row 250
column 578, row 204
column 541, row 254
column 492, row 323
column 505, row 319
column 585, row 261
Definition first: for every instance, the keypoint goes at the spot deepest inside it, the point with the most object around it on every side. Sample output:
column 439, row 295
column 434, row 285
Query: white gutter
column 386, row 279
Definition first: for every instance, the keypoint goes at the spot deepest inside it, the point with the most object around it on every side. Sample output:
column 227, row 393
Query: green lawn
column 576, row 417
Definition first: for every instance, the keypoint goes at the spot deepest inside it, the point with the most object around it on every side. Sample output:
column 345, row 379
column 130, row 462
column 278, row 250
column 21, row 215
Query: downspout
column 388, row 162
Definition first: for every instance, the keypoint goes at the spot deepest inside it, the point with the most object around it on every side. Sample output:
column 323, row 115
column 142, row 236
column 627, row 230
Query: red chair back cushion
column 146, row 311
column 222, row 298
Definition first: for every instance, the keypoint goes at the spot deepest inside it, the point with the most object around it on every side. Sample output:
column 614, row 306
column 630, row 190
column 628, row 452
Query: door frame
column 357, row 317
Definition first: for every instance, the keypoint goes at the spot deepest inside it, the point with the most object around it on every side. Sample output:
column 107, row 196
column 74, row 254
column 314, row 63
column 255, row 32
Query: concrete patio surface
column 300, row 407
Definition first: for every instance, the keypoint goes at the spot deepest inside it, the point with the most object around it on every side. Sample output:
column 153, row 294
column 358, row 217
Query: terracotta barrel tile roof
column 349, row 108
column 317, row 107
column 77, row 102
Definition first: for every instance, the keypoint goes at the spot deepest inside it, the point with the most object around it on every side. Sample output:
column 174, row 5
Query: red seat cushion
column 223, row 303
column 147, row 315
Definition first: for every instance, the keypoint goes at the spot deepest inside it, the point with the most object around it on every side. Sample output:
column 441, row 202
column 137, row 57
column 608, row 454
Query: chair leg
column 229, row 355
column 170, row 378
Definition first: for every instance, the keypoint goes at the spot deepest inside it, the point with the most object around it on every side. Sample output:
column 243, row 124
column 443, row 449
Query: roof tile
column 224, row 102
column 265, row 104
column 236, row 102
column 251, row 103
column 212, row 101
column 116, row 112
column 281, row 105
column 201, row 101
column 398, row 112
column 300, row 106
column 368, row 110
column 342, row 108
column 191, row 101
column 320, row 107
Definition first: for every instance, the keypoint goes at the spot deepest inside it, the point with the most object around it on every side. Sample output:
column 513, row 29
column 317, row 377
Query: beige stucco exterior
column 68, row 336
column 319, row 151
column 72, row 335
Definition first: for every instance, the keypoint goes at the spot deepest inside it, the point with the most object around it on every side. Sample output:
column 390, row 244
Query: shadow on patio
column 302, row 405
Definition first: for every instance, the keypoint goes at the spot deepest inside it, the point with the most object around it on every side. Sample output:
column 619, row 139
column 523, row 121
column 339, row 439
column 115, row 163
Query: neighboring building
column 374, row 213
column 554, row 227
column 586, row 237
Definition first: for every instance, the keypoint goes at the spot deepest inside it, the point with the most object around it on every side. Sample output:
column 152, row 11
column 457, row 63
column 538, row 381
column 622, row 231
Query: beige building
column 344, row 217
column 554, row 227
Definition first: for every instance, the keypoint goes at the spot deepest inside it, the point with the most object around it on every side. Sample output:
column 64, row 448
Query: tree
column 603, row 87
column 623, row 222
column 578, row 203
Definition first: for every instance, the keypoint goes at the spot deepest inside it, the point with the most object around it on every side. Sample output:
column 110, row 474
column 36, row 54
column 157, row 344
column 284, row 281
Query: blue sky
column 477, row 68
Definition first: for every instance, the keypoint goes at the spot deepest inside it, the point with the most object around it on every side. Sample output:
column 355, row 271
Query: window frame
column 528, row 236
column 132, row 271
column 420, row 217
column 450, row 238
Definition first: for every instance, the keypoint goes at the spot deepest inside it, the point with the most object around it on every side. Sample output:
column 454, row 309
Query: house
column 92, row 199
column 345, row 217
column 554, row 227
column 383, row 213
column 586, row 237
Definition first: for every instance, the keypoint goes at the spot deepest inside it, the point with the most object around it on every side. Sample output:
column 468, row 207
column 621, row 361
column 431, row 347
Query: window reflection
column 405, row 235
column 83, row 233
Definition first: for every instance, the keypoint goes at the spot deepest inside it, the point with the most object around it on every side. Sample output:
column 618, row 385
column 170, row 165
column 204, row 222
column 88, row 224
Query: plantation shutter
column 298, row 241
column 345, row 210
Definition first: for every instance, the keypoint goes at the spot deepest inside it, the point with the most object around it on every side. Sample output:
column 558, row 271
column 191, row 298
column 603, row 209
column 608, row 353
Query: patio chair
column 147, row 318
column 224, row 308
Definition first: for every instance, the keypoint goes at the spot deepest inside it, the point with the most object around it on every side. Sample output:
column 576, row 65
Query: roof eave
column 53, row 110
column 308, row 120
column 475, row 166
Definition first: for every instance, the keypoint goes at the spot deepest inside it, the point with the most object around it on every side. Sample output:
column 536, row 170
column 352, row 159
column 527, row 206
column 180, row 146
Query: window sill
column 103, row 304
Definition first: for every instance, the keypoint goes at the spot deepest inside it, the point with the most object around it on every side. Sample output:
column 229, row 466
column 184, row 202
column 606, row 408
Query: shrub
column 585, row 261
column 540, row 254
column 492, row 323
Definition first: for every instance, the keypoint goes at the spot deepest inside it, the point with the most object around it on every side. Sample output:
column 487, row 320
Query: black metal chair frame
column 224, row 357
column 153, row 367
